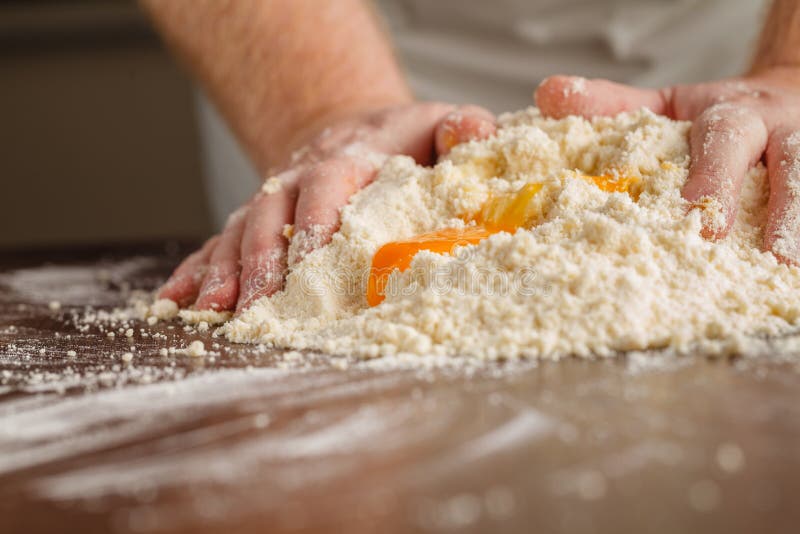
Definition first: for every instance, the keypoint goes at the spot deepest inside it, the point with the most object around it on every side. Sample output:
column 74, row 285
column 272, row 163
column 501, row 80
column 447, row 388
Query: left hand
column 736, row 123
column 249, row 258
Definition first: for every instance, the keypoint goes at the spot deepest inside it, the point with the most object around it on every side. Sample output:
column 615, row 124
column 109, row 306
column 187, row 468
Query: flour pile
column 597, row 272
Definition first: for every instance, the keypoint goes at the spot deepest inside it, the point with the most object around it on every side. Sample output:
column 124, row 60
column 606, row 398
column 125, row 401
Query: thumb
column 559, row 96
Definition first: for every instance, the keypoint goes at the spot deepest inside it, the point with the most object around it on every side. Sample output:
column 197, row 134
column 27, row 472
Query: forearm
column 273, row 67
column 779, row 44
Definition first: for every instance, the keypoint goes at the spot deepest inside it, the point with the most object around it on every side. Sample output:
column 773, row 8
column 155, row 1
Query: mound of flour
column 598, row 272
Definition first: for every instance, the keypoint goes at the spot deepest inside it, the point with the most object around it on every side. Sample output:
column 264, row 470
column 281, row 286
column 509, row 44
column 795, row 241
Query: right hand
column 249, row 258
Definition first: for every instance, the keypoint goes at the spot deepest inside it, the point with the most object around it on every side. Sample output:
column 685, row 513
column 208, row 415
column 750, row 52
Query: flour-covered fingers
column 782, row 235
column 183, row 285
column 323, row 192
column 467, row 123
column 221, row 283
column 559, row 96
column 263, row 245
column 726, row 141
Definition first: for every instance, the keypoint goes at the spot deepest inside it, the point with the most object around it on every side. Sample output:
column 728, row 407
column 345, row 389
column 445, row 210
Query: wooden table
column 246, row 440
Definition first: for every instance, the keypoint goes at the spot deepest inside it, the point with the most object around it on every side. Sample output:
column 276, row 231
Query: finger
column 323, row 192
column 221, row 283
column 782, row 235
column 467, row 123
column 726, row 140
column 263, row 246
column 184, row 284
column 559, row 96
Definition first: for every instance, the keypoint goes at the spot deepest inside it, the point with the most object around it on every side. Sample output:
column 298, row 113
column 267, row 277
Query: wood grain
column 244, row 441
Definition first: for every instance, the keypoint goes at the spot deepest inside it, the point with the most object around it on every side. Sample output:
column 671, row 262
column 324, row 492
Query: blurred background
column 98, row 128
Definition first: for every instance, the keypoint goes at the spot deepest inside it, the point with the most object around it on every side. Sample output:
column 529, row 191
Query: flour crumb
column 127, row 357
column 576, row 86
column 54, row 305
column 163, row 309
column 196, row 349
column 272, row 185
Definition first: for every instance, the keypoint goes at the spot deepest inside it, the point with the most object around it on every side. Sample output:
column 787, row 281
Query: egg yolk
column 506, row 213
column 501, row 213
column 613, row 184
column 398, row 254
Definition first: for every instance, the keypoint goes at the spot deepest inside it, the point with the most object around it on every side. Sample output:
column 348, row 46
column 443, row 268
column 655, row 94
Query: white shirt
column 495, row 52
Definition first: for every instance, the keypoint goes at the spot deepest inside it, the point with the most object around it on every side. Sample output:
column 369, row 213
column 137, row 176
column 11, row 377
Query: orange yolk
column 501, row 213
column 506, row 213
column 398, row 254
column 613, row 184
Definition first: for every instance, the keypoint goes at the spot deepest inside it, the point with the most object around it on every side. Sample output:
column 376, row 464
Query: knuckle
column 785, row 143
column 731, row 121
column 331, row 168
column 277, row 182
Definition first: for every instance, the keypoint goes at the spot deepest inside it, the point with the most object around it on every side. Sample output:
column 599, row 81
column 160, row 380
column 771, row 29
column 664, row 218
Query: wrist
column 302, row 127
column 787, row 76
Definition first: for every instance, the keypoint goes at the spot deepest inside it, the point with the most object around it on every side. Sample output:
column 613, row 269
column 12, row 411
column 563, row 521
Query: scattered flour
column 210, row 317
column 595, row 274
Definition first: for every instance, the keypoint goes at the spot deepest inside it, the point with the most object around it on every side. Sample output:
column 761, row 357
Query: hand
column 736, row 122
column 249, row 259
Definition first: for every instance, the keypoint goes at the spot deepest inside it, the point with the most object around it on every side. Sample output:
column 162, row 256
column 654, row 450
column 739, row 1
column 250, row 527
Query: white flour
column 597, row 272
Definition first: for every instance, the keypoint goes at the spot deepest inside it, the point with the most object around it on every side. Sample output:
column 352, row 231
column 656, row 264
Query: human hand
column 249, row 258
column 736, row 123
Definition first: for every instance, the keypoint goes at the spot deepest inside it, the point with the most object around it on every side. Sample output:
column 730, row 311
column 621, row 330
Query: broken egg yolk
column 506, row 213
column 501, row 213
column 398, row 254
column 614, row 184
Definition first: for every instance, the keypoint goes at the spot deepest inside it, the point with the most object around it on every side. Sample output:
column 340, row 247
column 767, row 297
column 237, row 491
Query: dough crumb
column 272, row 185
column 196, row 349
column 163, row 309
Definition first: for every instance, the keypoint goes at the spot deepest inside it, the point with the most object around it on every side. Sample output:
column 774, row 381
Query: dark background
column 98, row 141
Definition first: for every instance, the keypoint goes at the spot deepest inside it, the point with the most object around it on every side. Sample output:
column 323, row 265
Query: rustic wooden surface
column 245, row 441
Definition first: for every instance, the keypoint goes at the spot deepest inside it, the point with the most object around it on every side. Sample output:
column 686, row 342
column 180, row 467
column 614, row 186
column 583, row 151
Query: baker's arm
column 276, row 67
column 312, row 78
column 736, row 123
column 779, row 43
